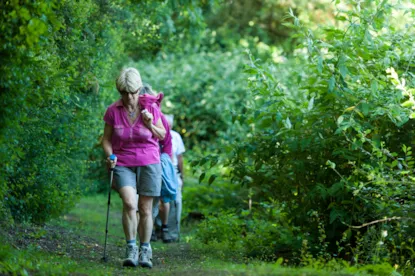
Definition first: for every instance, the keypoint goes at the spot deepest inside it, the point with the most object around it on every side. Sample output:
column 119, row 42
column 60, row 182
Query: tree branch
column 376, row 221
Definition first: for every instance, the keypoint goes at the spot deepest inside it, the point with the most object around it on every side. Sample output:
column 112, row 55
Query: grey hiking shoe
column 131, row 255
column 153, row 236
column 165, row 235
column 145, row 257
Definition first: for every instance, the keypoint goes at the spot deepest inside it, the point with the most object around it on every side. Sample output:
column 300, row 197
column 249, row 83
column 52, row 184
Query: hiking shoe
column 153, row 236
column 165, row 235
column 131, row 255
column 145, row 257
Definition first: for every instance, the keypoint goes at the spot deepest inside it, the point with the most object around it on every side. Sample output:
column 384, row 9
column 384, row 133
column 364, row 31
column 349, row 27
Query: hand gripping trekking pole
column 112, row 158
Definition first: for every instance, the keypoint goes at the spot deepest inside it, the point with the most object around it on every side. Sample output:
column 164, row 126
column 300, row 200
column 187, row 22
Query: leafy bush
column 221, row 227
column 59, row 60
column 332, row 141
column 200, row 90
column 47, row 88
column 209, row 199
column 263, row 235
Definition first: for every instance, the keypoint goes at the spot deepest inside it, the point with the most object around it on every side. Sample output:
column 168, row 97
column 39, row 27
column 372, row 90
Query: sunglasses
column 133, row 93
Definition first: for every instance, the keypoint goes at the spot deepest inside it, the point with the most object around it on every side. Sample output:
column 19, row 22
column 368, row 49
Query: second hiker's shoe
column 153, row 236
column 145, row 257
column 165, row 235
column 131, row 256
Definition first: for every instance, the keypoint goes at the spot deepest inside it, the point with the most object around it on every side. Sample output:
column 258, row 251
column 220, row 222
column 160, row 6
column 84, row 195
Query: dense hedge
column 59, row 60
column 332, row 143
column 327, row 144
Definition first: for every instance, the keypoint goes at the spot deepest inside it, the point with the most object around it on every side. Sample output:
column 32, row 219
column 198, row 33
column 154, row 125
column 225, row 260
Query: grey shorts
column 145, row 179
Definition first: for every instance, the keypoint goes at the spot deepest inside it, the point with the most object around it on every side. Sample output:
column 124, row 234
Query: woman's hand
column 111, row 163
column 147, row 118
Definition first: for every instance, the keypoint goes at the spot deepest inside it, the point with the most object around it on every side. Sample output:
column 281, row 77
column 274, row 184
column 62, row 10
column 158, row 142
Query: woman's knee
column 129, row 198
column 145, row 212
column 130, row 205
column 145, row 208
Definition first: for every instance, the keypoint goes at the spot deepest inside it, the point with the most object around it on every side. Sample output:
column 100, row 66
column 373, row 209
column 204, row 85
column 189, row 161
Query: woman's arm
column 166, row 143
column 158, row 129
column 106, row 143
column 180, row 165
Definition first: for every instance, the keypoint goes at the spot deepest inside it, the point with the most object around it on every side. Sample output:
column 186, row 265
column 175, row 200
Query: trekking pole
column 112, row 158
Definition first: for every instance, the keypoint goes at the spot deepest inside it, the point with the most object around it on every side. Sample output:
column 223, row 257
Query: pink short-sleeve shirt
column 133, row 144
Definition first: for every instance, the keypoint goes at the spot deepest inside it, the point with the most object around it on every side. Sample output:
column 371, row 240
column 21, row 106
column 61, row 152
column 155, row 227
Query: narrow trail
column 169, row 259
column 81, row 239
column 74, row 245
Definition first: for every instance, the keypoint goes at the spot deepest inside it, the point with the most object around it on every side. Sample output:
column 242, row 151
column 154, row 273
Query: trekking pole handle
column 113, row 158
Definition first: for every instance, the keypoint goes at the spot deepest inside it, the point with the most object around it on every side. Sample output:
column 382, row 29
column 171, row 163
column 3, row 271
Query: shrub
column 333, row 139
column 59, row 62
column 257, row 234
column 201, row 89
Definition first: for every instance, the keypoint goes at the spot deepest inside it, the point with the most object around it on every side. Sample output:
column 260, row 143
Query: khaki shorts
column 145, row 179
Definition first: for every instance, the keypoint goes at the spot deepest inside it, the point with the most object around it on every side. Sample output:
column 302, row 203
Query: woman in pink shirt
column 132, row 132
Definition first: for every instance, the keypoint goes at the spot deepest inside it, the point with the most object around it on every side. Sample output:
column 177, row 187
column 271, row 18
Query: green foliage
column 331, row 137
column 222, row 227
column 320, row 142
column 264, row 235
column 259, row 22
column 200, row 90
column 42, row 149
column 33, row 261
column 59, row 60
column 68, row 245
column 209, row 199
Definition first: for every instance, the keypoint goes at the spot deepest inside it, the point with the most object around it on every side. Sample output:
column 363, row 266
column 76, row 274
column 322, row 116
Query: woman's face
column 130, row 98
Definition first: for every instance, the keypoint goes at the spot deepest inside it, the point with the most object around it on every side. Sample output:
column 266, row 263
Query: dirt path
column 82, row 241
column 74, row 245
column 169, row 259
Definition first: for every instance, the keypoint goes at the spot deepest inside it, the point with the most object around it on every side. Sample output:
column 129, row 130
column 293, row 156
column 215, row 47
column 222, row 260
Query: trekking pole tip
column 104, row 259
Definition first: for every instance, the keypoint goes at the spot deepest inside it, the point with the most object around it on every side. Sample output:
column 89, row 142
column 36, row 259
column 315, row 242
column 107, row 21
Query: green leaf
column 203, row 161
column 310, row 104
column 279, row 261
column 320, row 64
column 211, row 179
column 287, row 123
column 194, row 163
column 408, row 103
column 374, row 86
column 343, row 70
column 24, row 13
column 201, row 177
column 365, row 108
column 214, row 162
column 234, row 116
column 368, row 36
column 335, row 188
column 332, row 82
column 331, row 164
column 335, row 214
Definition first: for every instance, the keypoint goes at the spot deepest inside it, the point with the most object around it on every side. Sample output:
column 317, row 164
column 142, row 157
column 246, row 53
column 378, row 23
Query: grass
column 89, row 218
column 73, row 245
